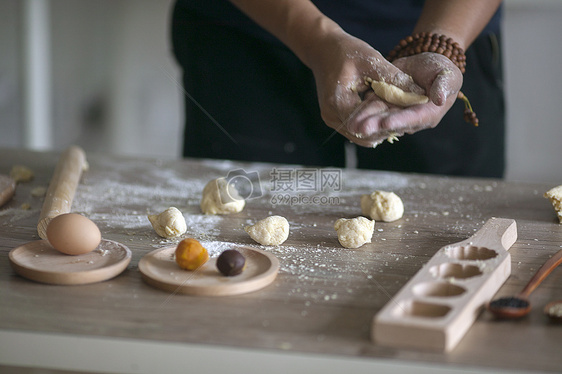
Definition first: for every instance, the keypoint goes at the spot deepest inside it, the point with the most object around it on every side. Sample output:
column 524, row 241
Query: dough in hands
column 354, row 232
column 382, row 206
column 395, row 95
column 273, row 230
column 168, row 224
column 555, row 197
column 221, row 197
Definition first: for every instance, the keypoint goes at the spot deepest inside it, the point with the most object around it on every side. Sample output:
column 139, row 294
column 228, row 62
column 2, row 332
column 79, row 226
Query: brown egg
column 73, row 234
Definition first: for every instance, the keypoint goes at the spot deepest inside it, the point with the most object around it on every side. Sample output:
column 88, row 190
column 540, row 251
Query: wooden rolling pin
column 62, row 187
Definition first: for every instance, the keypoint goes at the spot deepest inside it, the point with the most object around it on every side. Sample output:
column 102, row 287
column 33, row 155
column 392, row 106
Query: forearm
column 297, row 23
column 461, row 20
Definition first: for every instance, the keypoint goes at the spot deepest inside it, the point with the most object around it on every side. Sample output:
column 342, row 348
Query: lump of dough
column 39, row 191
column 273, row 230
column 555, row 197
column 394, row 95
column 354, row 232
column 221, row 197
column 382, row 206
column 21, row 173
column 168, row 224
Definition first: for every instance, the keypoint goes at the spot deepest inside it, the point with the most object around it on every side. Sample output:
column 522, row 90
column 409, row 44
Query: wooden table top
column 325, row 296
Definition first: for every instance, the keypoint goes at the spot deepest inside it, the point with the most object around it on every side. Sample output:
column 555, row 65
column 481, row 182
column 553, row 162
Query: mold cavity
column 421, row 309
column 470, row 253
column 438, row 289
column 459, row 271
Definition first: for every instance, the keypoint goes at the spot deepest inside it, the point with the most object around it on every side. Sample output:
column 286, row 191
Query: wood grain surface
column 324, row 297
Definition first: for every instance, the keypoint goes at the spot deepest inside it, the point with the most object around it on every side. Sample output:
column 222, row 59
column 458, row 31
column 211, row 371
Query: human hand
column 437, row 75
column 350, row 107
column 340, row 65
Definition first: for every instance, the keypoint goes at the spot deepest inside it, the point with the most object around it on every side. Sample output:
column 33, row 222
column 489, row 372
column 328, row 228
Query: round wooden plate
column 7, row 189
column 40, row 262
column 159, row 269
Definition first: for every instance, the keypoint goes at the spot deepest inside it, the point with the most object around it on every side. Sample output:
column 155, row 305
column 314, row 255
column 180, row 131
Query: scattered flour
column 321, row 271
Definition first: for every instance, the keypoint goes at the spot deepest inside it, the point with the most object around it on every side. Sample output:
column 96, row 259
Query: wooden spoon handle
column 542, row 273
column 62, row 187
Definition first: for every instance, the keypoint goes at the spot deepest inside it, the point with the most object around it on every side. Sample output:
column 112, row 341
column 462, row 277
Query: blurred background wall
column 113, row 85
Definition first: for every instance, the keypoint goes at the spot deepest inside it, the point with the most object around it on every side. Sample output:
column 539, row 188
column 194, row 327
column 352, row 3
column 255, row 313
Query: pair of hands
column 350, row 106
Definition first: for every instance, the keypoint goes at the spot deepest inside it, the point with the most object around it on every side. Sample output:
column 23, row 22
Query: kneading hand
column 441, row 80
column 349, row 105
column 340, row 64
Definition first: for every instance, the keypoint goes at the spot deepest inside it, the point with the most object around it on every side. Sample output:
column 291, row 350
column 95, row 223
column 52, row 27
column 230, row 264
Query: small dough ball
column 21, row 174
column 382, row 206
column 354, row 232
column 273, row 230
column 168, row 224
column 73, row 234
column 394, row 95
column 39, row 191
column 221, row 197
column 555, row 197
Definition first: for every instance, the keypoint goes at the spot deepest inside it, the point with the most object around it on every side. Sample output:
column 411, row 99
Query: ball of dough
column 273, row 230
column 39, row 191
column 354, row 232
column 168, row 224
column 394, row 95
column 221, row 197
column 382, row 206
column 555, row 197
column 21, row 174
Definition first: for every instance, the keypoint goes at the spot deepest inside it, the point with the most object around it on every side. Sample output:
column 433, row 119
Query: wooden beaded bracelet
column 430, row 42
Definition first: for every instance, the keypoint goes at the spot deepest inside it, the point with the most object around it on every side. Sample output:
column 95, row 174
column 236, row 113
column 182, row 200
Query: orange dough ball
column 190, row 254
column 73, row 234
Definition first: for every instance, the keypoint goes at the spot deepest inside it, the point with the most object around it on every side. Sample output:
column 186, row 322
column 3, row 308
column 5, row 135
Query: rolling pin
column 62, row 187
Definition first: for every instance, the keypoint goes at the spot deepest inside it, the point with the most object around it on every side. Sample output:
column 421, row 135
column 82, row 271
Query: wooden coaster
column 159, row 269
column 40, row 262
column 7, row 189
